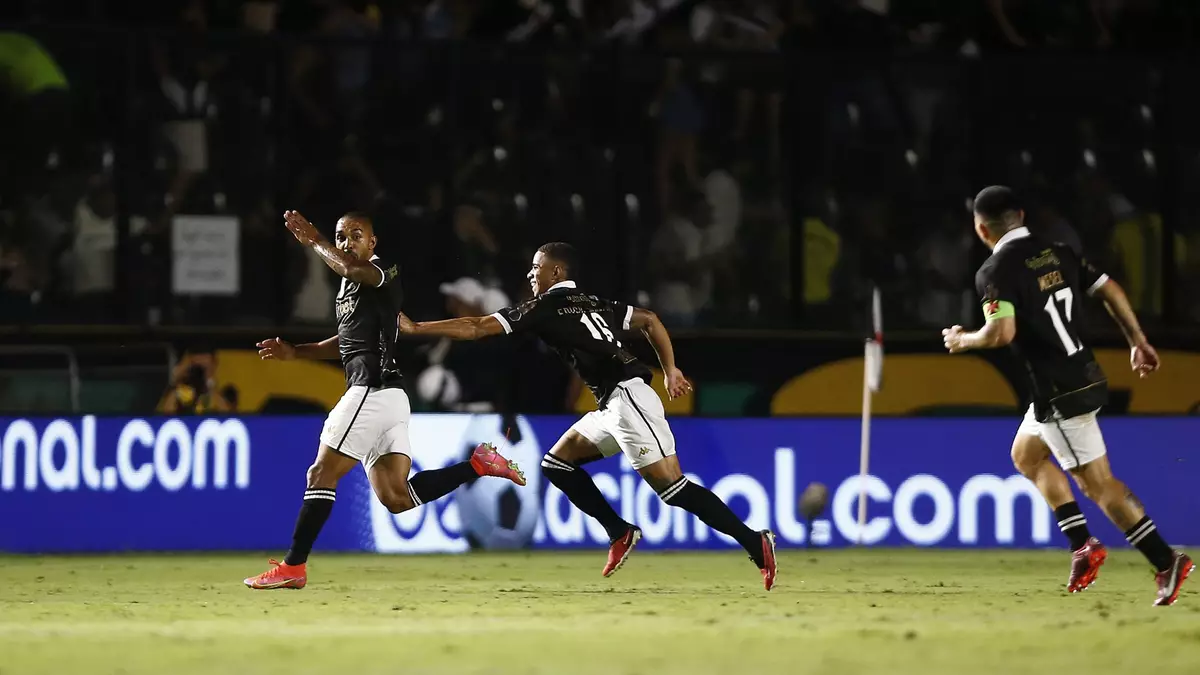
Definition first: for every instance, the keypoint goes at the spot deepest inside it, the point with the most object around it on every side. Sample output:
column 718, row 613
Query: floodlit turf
column 835, row 612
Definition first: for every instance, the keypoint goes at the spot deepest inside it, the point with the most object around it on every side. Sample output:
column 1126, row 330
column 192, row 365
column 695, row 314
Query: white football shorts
column 1074, row 441
column 632, row 422
column 368, row 423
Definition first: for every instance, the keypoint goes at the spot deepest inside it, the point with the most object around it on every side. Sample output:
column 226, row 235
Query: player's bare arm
column 465, row 328
column 276, row 349
column 997, row 332
column 1142, row 357
column 654, row 330
column 340, row 258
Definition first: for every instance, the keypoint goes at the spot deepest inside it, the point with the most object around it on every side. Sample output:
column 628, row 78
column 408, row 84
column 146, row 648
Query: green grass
column 836, row 612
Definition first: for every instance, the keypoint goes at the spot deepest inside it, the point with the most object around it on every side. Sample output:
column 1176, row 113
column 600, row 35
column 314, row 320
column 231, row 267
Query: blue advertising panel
column 159, row 484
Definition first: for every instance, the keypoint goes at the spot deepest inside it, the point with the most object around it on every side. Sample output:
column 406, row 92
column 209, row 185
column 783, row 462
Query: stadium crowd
column 748, row 164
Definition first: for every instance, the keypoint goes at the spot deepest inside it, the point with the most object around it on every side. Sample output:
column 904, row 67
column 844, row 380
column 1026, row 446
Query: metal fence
column 724, row 190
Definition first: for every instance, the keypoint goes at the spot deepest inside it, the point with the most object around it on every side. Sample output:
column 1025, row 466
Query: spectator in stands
column 185, row 69
column 943, row 262
column 193, row 387
column 92, row 258
column 751, row 26
column 476, row 249
column 463, row 375
column 681, row 118
column 676, row 256
column 19, row 294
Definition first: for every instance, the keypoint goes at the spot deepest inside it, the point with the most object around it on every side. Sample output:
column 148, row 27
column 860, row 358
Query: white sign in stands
column 205, row 255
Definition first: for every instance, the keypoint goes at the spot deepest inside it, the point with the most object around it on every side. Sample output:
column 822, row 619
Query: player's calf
column 1127, row 512
column 398, row 493
column 701, row 502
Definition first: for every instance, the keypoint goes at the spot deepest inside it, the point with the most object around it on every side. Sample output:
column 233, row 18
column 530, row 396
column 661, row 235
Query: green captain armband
column 998, row 309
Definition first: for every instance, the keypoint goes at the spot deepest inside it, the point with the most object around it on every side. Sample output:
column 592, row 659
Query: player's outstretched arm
column 1142, row 357
column 654, row 330
column 347, row 266
column 275, row 349
column 997, row 332
column 466, row 328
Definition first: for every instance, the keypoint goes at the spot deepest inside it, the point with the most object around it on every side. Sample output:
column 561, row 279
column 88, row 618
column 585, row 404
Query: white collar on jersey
column 561, row 284
column 1011, row 235
column 374, row 257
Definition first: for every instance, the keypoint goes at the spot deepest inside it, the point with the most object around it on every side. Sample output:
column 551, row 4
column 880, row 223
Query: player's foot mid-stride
column 487, row 461
column 620, row 548
column 1032, row 289
column 369, row 425
column 1085, row 564
column 281, row 575
column 1170, row 579
column 585, row 330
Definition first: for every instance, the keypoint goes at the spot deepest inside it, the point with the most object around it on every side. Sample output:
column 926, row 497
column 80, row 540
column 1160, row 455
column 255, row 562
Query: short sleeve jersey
column 1042, row 286
column 582, row 330
column 367, row 328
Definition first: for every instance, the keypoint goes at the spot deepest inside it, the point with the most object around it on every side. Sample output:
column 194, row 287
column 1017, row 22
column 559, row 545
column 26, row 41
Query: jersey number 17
column 1066, row 298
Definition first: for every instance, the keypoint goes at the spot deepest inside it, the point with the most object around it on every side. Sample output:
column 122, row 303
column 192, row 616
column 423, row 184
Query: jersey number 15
column 598, row 327
column 1066, row 298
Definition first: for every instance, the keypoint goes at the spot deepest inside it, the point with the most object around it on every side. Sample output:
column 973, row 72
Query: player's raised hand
column 952, row 338
column 405, row 324
column 677, row 384
column 1144, row 359
column 304, row 232
column 276, row 349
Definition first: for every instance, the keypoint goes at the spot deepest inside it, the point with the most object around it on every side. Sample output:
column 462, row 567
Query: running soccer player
column 369, row 425
column 581, row 328
column 1031, row 291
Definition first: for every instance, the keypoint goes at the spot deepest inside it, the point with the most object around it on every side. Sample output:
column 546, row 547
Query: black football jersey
column 1042, row 285
column 367, row 328
column 582, row 330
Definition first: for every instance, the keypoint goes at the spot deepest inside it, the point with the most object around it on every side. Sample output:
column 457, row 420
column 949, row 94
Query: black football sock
column 318, row 504
column 428, row 486
column 1073, row 524
column 715, row 513
column 577, row 485
column 1145, row 537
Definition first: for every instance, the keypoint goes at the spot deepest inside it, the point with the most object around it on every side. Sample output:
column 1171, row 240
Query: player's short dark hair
column 562, row 253
column 998, row 205
column 359, row 217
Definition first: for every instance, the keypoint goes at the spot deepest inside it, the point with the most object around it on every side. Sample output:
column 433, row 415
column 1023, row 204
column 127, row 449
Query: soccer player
column 369, row 425
column 582, row 329
column 1032, row 290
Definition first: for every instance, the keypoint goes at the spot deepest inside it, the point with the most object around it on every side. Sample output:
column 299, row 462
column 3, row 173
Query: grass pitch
column 836, row 612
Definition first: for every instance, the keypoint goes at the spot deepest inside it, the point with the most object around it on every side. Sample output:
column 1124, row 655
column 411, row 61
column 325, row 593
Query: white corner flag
column 872, row 381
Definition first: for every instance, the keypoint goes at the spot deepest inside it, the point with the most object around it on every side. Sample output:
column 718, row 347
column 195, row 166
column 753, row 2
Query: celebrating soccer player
column 582, row 329
column 1031, row 291
column 369, row 425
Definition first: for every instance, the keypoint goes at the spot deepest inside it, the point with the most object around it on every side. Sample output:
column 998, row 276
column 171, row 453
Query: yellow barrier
column 917, row 382
column 913, row 383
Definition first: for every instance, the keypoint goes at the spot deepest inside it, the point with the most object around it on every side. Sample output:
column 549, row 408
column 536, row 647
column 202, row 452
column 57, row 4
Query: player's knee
column 397, row 502
column 321, row 476
column 1028, row 458
column 1025, row 465
column 556, row 469
column 1101, row 489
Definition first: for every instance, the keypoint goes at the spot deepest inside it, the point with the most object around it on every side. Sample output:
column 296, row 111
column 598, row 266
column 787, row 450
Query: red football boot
column 1172, row 578
column 769, row 567
column 619, row 550
column 281, row 575
column 1085, row 565
column 487, row 461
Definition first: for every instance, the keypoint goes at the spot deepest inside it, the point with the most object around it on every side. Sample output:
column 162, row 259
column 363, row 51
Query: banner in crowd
column 159, row 484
